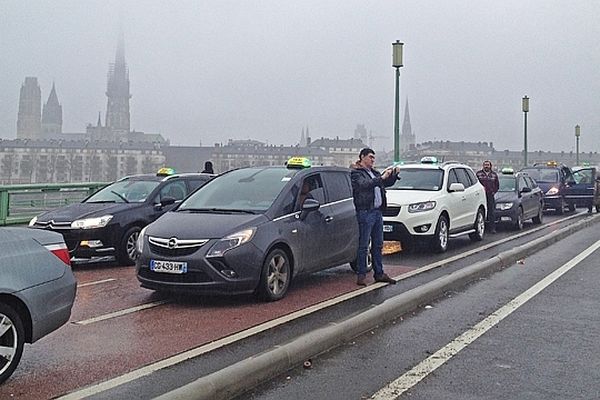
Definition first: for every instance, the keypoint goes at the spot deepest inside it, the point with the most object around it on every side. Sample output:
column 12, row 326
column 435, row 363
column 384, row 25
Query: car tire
column 13, row 338
column 561, row 210
column 539, row 217
column 440, row 238
column 275, row 276
column 518, row 224
column 127, row 253
column 354, row 263
column 479, row 227
column 571, row 207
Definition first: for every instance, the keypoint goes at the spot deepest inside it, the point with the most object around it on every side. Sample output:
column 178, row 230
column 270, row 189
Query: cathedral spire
column 408, row 138
column 99, row 123
column 52, row 115
column 117, row 91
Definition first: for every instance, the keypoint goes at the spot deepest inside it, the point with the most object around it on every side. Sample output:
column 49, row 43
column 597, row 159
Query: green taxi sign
column 165, row 171
column 298, row 162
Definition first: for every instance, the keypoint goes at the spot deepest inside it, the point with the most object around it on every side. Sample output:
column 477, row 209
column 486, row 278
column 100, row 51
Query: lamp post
column 397, row 63
column 577, row 134
column 525, row 111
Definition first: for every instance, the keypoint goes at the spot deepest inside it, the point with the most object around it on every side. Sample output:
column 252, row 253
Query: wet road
column 117, row 327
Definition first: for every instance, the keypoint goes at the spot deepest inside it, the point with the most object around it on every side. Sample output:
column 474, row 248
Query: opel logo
column 172, row 243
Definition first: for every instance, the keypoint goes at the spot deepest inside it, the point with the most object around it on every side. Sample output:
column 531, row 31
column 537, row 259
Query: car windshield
column 507, row 184
column 543, row 174
column 419, row 179
column 242, row 190
column 126, row 191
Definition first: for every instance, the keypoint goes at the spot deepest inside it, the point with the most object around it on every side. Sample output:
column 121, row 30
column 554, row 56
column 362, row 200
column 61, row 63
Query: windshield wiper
column 101, row 201
column 120, row 196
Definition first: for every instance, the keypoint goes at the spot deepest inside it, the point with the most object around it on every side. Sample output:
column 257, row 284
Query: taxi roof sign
column 429, row 160
column 165, row 171
column 298, row 162
column 507, row 171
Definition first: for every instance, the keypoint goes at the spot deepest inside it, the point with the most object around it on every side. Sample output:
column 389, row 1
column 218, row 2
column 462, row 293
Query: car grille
column 391, row 211
column 174, row 247
column 53, row 225
column 188, row 277
column 162, row 251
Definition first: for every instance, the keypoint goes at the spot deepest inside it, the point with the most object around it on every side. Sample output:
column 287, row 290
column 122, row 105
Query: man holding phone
column 368, row 191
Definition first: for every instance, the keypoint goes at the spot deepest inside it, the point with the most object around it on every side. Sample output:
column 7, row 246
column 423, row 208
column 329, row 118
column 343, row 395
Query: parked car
column 37, row 290
column 252, row 230
column 554, row 180
column 108, row 222
column 518, row 199
column 583, row 191
column 433, row 202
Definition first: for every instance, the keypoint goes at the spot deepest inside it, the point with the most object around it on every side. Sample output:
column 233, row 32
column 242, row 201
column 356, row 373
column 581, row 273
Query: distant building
column 343, row 151
column 118, row 118
column 407, row 137
column 29, row 116
column 52, row 115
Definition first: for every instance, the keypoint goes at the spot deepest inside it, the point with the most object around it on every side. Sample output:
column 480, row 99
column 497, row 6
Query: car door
column 174, row 188
column 581, row 187
column 526, row 196
column 340, row 217
column 469, row 203
column 456, row 203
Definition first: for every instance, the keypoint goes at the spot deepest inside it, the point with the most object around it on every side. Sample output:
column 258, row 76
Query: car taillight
column 60, row 251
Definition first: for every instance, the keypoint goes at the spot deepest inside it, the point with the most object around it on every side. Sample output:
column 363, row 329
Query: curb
column 246, row 374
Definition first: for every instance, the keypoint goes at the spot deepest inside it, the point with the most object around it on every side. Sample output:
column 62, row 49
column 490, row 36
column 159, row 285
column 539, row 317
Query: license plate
column 170, row 267
column 505, row 219
column 388, row 228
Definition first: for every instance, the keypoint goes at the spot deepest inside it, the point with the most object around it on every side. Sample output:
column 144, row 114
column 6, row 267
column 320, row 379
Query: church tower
column 407, row 138
column 29, row 117
column 52, row 115
column 117, row 91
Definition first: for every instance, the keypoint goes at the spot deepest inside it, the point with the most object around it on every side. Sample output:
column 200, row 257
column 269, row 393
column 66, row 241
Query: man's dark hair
column 365, row 152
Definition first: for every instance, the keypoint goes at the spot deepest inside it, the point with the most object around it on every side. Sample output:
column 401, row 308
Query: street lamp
column 397, row 63
column 525, row 111
column 577, row 134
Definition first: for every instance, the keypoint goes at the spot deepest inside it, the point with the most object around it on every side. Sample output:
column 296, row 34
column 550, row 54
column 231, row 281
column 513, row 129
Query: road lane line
column 219, row 343
column 95, row 282
column 121, row 312
column 440, row 357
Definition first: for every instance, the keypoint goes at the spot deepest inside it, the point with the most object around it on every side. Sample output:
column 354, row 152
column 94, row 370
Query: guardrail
column 20, row 203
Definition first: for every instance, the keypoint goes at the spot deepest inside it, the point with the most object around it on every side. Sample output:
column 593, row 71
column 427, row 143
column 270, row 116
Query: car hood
column 183, row 225
column 505, row 197
column 85, row 210
column 405, row 197
column 545, row 186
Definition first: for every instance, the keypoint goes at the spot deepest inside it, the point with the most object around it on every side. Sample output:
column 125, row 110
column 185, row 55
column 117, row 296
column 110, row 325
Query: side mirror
column 526, row 189
column 167, row 201
column 456, row 187
column 309, row 206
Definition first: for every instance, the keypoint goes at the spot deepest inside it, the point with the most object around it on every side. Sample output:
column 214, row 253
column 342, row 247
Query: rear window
column 543, row 174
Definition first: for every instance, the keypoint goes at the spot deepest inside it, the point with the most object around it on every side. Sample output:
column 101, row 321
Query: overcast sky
column 206, row 71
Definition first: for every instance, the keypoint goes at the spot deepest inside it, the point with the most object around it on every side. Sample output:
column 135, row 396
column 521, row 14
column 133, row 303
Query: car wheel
column 127, row 253
column 571, row 207
column 538, row 218
column 561, row 209
column 479, row 227
column 354, row 264
column 440, row 238
column 12, row 340
column 275, row 276
column 518, row 224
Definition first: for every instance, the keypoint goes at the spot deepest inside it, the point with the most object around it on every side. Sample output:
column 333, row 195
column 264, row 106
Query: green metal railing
column 20, row 203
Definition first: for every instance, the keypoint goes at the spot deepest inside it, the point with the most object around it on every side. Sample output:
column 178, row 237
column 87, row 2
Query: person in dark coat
column 208, row 168
column 368, row 191
column 490, row 182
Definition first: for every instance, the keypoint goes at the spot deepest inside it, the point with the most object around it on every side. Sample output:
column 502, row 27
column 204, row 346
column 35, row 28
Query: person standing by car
column 368, row 191
column 489, row 180
column 208, row 168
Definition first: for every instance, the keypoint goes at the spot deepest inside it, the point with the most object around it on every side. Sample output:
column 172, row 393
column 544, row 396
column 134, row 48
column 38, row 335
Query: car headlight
column 231, row 241
column 33, row 221
column 91, row 223
column 423, row 206
column 552, row 191
column 139, row 245
column 504, row 206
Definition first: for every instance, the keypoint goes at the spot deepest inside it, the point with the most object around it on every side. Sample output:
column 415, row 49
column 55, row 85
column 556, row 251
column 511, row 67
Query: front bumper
column 406, row 226
column 76, row 240
column 237, row 271
column 554, row 202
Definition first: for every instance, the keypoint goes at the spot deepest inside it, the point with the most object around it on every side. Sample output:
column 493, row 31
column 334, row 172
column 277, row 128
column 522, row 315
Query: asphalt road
column 547, row 348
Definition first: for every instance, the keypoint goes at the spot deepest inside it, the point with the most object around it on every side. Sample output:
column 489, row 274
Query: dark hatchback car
column 518, row 199
column 554, row 179
column 252, row 230
column 108, row 222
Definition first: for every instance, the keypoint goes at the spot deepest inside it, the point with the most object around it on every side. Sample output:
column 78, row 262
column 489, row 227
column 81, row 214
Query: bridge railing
column 20, row 203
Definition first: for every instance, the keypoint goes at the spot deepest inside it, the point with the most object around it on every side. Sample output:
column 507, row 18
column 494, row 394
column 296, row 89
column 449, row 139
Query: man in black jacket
column 368, row 190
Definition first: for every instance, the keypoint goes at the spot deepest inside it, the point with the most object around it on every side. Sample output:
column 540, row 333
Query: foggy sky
column 206, row 71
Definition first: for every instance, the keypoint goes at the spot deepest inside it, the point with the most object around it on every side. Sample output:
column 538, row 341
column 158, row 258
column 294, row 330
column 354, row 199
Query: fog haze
column 207, row 71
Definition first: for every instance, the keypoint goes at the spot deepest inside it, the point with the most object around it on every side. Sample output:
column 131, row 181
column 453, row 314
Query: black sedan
column 518, row 199
column 108, row 222
column 252, row 230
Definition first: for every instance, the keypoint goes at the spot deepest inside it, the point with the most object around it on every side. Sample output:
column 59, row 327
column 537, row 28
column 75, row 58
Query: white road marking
column 121, row 312
column 168, row 362
column 96, row 282
column 436, row 360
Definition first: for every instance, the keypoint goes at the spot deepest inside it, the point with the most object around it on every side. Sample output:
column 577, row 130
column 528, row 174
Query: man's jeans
column 370, row 225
